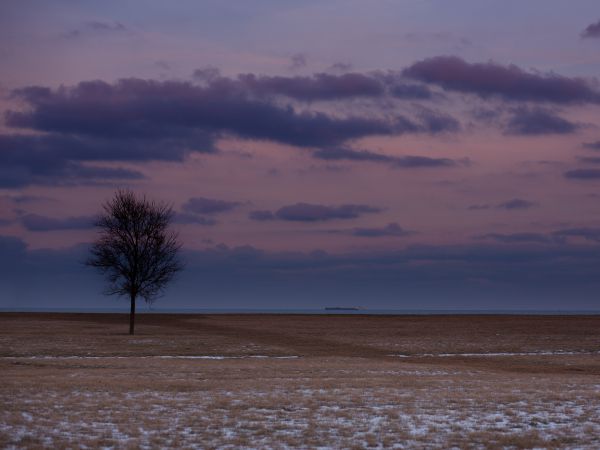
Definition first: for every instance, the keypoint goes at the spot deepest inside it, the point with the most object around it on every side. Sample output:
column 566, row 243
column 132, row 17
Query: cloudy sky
column 387, row 154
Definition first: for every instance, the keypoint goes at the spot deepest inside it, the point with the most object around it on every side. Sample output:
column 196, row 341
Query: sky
column 417, row 154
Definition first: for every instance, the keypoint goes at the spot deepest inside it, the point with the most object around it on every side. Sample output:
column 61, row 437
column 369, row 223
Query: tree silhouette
column 135, row 250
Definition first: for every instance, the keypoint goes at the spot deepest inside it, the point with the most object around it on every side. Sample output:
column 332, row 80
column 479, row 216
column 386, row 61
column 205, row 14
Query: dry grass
column 344, row 391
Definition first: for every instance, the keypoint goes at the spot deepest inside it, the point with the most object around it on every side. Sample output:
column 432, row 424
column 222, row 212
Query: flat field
column 299, row 381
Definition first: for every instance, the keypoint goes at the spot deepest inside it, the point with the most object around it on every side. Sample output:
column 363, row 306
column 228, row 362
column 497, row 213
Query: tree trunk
column 132, row 314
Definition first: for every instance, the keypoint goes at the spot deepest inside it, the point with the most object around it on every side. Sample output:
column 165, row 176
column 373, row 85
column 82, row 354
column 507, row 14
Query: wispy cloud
column 95, row 27
column 311, row 212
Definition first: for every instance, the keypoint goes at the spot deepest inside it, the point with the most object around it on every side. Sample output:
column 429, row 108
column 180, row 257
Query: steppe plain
column 299, row 381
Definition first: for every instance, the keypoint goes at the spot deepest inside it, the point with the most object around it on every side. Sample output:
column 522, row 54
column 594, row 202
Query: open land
column 299, row 381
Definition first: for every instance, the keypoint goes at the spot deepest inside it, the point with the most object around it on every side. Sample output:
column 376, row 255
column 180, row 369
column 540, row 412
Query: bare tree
column 135, row 250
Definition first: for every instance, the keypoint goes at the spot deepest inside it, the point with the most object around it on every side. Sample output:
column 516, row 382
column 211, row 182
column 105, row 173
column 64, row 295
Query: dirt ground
column 299, row 381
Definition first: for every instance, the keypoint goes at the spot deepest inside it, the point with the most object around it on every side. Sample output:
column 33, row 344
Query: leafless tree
column 135, row 250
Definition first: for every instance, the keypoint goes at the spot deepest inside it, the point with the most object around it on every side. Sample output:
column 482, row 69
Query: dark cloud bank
column 135, row 120
column 145, row 109
column 519, row 238
column 556, row 237
column 526, row 275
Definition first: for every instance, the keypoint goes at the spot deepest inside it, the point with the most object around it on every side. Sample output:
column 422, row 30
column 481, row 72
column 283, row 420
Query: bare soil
column 299, row 381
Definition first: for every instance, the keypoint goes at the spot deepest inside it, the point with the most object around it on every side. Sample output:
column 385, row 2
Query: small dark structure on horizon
column 135, row 250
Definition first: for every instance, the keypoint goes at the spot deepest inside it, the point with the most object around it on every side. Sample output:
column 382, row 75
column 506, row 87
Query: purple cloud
column 398, row 86
column 207, row 74
column 590, row 234
column 193, row 219
column 56, row 159
column 592, row 31
column 516, row 203
column 522, row 238
column 161, row 111
column 405, row 162
column 437, row 122
column 341, row 67
column 82, row 172
column 339, row 153
column 538, row 121
column 391, row 229
column 298, row 61
column 320, row 86
column 589, row 159
column 507, row 82
column 411, row 91
column 202, row 205
column 583, row 174
column 591, row 145
column 145, row 120
column 96, row 27
column 308, row 212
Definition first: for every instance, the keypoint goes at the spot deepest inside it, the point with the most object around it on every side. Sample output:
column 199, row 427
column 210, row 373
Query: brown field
column 292, row 381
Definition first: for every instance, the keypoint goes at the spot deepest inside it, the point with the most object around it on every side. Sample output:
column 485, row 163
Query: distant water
column 382, row 312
